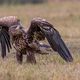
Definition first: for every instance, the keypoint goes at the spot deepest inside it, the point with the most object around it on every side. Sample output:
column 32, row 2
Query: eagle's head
column 15, row 31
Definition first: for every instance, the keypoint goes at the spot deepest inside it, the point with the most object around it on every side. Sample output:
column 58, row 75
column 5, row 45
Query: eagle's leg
column 3, row 55
column 31, row 57
column 19, row 57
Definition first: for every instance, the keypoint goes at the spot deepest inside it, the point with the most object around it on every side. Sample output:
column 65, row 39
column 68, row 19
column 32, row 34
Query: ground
column 65, row 17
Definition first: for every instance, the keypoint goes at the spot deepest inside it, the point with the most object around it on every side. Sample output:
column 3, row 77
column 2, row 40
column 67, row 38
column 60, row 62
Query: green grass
column 65, row 17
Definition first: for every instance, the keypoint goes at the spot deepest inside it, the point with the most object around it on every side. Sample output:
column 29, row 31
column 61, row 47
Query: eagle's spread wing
column 43, row 28
column 5, row 24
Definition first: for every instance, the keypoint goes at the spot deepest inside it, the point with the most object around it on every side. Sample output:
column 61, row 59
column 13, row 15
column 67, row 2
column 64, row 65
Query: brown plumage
column 28, row 42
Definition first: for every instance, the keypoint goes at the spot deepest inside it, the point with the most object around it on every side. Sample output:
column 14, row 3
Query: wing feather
column 52, row 36
column 6, row 41
column 7, row 37
column 57, row 43
column 3, row 46
column 5, row 24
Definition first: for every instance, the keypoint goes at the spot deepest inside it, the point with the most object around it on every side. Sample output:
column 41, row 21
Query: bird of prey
column 12, row 32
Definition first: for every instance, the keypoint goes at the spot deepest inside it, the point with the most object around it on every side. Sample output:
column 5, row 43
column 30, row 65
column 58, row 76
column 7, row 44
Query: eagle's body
column 28, row 42
column 21, row 45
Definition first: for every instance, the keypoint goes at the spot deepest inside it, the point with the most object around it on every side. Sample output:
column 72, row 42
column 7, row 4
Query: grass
column 65, row 17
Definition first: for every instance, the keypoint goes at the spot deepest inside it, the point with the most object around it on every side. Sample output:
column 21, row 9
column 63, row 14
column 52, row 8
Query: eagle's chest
column 20, row 44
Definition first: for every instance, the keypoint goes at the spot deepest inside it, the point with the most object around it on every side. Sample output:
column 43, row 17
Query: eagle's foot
column 31, row 58
column 19, row 57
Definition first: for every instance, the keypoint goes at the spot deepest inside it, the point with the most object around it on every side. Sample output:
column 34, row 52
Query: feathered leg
column 19, row 57
column 31, row 57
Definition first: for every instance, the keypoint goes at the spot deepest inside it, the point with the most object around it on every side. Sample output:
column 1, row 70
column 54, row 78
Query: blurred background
column 63, row 14
column 65, row 17
column 20, row 1
column 30, row 1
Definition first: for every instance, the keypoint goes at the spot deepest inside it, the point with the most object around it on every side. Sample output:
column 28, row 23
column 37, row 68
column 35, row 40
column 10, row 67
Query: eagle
column 12, row 33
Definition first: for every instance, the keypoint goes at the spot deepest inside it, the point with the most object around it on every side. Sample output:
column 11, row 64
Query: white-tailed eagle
column 12, row 32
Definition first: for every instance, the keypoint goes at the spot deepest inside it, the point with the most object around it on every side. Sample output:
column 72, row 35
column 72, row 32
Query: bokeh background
column 65, row 17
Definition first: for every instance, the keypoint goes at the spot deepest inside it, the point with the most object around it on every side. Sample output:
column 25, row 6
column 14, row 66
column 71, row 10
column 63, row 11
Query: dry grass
column 66, row 19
